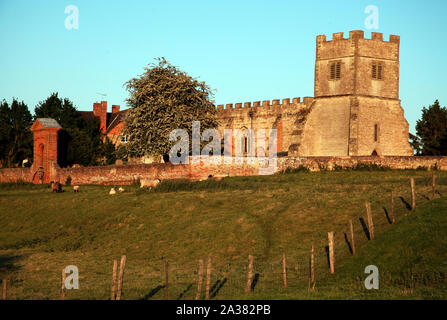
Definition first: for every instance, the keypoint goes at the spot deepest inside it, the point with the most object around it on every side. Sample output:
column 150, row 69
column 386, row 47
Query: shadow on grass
column 216, row 287
column 407, row 205
column 387, row 215
column 365, row 228
column 153, row 292
column 254, row 282
column 423, row 196
column 8, row 264
column 185, row 291
column 348, row 243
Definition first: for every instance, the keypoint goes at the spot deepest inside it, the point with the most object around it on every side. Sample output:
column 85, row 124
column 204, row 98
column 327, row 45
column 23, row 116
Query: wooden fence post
column 284, row 271
column 121, row 277
column 351, row 227
column 249, row 274
column 114, row 280
column 433, row 185
column 199, row 280
column 331, row 251
column 208, row 278
column 167, row 280
column 413, row 197
column 63, row 277
column 312, row 273
column 393, row 219
column 4, row 295
column 370, row 220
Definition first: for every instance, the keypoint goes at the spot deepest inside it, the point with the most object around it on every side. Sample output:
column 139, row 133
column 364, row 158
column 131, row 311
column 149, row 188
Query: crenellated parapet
column 357, row 34
column 275, row 105
column 356, row 44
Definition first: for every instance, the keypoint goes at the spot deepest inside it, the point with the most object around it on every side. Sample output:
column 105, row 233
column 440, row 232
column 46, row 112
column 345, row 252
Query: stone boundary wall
column 15, row 175
column 128, row 174
column 392, row 162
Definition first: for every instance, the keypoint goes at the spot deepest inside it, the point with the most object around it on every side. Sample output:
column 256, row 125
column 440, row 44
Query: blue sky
column 246, row 49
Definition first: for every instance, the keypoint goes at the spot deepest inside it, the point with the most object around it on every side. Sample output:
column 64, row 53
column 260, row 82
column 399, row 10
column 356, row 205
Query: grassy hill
column 42, row 232
column 410, row 256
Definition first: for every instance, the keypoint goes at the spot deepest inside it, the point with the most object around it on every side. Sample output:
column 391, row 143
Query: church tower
column 356, row 110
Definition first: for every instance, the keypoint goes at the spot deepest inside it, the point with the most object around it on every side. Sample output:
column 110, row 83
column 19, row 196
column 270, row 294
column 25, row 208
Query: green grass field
column 41, row 232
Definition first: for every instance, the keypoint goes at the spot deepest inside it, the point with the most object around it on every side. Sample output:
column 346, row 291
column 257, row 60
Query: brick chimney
column 115, row 108
column 100, row 111
column 96, row 109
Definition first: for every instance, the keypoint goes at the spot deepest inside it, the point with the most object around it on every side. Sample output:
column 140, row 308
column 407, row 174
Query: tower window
column 376, row 132
column 376, row 70
column 335, row 73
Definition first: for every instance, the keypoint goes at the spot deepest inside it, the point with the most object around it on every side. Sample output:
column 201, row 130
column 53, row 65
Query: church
column 355, row 111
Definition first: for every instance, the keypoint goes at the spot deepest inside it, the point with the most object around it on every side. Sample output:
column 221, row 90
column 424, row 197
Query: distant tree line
column 16, row 140
column 82, row 138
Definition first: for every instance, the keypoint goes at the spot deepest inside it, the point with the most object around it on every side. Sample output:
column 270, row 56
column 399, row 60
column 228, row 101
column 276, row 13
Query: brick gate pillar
column 45, row 131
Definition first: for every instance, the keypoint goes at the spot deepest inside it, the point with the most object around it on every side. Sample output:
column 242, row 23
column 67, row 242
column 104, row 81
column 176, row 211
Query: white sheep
column 121, row 189
column 75, row 188
column 149, row 183
column 112, row 191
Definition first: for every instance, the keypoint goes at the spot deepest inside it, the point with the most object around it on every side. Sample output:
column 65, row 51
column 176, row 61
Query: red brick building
column 45, row 132
column 111, row 123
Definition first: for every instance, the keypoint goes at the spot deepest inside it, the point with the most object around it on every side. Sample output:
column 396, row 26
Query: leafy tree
column 431, row 131
column 85, row 145
column 61, row 110
column 5, row 130
column 79, row 148
column 122, row 153
column 416, row 144
column 15, row 134
column 109, row 152
column 162, row 99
